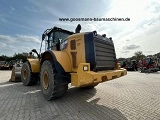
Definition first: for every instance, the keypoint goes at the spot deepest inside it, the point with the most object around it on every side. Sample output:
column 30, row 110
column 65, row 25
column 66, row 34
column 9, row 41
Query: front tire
column 47, row 78
column 28, row 78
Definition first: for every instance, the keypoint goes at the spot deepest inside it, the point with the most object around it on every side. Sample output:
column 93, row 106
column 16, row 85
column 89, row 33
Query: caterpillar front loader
column 82, row 59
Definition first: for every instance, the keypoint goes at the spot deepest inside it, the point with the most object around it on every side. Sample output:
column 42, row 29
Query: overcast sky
column 23, row 22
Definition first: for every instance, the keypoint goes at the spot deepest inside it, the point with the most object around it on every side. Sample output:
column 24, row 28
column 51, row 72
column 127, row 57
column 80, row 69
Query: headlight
column 85, row 68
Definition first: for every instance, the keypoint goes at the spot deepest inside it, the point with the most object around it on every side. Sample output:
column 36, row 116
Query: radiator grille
column 105, row 56
column 99, row 52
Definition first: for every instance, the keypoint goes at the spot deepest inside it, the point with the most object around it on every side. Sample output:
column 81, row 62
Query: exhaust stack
column 78, row 28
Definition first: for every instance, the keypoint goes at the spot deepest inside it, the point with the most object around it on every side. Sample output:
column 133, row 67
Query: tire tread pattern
column 57, row 91
column 32, row 78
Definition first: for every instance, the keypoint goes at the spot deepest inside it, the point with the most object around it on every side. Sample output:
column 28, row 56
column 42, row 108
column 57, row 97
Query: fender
column 61, row 60
column 35, row 65
column 62, row 65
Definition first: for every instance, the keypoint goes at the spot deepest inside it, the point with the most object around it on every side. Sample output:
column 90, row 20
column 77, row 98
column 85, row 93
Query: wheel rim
column 45, row 80
column 25, row 74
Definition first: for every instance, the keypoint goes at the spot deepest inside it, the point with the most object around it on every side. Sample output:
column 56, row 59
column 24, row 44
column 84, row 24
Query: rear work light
column 85, row 68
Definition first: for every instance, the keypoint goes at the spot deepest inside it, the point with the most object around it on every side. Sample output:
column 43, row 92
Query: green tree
column 3, row 58
column 22, row 56
column 139, row 55
column 121, row 59
column 133, row 58
column 158, row 55
column 19, row 56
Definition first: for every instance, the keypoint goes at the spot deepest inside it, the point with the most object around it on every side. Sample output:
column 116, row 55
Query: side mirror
column 34, row 50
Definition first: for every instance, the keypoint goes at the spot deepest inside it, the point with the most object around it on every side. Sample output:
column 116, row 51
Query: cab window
column 64, row 44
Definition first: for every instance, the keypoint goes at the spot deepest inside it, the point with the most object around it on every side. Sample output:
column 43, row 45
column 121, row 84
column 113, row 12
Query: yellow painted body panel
column 63, row 58
column 86, row 78
column 80, row 50
column 35, row 65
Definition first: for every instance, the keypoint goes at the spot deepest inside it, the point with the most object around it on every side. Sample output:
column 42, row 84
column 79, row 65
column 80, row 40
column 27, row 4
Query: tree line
column 22, row 56
column 139, row 56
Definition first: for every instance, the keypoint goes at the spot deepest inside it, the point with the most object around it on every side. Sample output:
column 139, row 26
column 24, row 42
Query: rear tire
column 28, row 78
column 47, row 78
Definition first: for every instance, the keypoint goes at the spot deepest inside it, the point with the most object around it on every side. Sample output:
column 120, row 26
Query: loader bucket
column 16, row 74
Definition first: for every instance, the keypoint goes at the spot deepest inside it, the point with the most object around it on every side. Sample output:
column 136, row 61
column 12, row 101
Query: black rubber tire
column 52, row 91
column 29, row 78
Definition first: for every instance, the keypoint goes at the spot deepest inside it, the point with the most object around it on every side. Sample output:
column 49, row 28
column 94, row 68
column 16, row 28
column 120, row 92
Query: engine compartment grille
column 100, row 52
column 105, row 56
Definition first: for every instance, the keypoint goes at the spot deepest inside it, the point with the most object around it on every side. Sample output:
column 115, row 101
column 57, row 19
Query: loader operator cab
column 55, row 38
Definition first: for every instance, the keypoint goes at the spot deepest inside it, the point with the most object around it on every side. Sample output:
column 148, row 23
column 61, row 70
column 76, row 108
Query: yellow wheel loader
column 82, row 59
